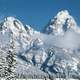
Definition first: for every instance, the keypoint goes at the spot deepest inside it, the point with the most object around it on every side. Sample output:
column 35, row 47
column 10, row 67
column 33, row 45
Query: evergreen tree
column 2, row 63
column 11, row 61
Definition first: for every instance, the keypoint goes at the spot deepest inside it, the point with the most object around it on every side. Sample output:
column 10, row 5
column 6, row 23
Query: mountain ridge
column 49, row 53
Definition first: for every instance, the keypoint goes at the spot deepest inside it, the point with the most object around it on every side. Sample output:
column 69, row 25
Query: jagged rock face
column 61, row 23
column 32, row 50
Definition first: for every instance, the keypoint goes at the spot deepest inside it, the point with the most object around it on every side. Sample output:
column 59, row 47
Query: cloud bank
column 70, row 40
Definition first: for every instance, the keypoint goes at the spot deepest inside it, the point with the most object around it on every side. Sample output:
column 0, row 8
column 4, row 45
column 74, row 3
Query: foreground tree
column 11, row 61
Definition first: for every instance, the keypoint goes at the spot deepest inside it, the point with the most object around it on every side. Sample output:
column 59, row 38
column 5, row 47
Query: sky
column 37, row 13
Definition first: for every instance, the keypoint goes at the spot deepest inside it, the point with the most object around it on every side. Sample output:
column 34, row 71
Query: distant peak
column 61, row 23
column 63, row 14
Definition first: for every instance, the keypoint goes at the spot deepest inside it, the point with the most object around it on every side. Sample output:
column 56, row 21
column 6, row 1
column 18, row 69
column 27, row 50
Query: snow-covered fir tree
column 11, row 61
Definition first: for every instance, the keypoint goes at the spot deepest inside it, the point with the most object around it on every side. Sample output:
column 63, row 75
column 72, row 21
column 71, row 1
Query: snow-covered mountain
column 61, row 23
column 41, row 54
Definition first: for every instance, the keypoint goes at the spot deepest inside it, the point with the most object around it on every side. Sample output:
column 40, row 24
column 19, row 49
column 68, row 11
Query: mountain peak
column 12, row 24
column 63, row 14
column 61, row 23
column 10, row 18
column 14, row 21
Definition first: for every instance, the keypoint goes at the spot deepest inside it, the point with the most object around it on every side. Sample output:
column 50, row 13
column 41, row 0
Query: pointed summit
column 61, row 23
